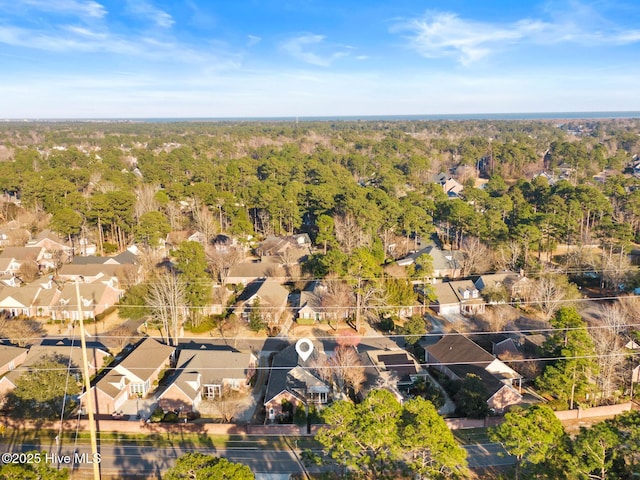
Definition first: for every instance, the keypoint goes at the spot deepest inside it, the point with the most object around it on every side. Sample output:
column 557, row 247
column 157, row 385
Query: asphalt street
column 128, row 460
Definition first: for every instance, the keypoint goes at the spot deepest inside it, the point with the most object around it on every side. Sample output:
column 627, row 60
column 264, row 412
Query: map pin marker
column 304, row 347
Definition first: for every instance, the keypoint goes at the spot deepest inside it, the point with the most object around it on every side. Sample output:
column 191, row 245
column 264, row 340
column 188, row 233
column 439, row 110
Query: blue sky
column 239, row 58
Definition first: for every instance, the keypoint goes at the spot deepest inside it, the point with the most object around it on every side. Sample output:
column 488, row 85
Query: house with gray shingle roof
column 456, row 356
column 270, row 295
column 133, row 377
column 207, row 374
column 293, row 380
column 446, row 263
column 67, row 351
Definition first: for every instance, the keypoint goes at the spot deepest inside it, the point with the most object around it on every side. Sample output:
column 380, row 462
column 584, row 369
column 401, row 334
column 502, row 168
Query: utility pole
column 358, row 300
column 87, row 387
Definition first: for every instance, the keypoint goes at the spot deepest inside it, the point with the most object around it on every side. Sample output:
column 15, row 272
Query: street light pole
column 87, row 386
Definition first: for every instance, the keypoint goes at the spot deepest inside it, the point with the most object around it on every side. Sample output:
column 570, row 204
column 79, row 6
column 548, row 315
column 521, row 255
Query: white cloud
column 87, row 8
column 253, row 40
column 148, row 10
column 301, row 48
column 445, row 34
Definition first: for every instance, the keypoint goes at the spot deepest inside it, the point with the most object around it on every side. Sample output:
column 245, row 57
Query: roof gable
column 458, row 349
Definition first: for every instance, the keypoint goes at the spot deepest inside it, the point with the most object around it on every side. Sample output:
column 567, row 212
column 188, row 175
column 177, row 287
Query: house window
column 211, row 391
column 137, row 389
column 12, row 365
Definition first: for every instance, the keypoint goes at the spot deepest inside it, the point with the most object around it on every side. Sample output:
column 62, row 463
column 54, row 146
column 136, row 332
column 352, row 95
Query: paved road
column 127, row 460
column 488, row 455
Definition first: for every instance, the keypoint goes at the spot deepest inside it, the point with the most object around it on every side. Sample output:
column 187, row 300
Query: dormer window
column 465, row 294
column 474, row 294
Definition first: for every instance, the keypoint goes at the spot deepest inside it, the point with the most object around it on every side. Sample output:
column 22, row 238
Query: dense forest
column 348, row 184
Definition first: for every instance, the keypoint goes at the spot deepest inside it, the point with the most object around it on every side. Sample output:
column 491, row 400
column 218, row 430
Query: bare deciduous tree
column 146, row 199
column 336, row 300
column 28, row 271
column 498, row 316
column 614, row 317
column 175, row 216
column 615, row 268
column 226, row 404
column 220, row 261
column 349, row 233
column 508, row 256
column 550, row 292
column 204, row 221
column 476, row 257
column 17, row 237
column 120, row 336
column 127, row 275
column 610, row 358
column 348, row 370
column 167, row 301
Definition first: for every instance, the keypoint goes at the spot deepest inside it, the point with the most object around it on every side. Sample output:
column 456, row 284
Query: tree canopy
column 207, row 467
column 378, row 436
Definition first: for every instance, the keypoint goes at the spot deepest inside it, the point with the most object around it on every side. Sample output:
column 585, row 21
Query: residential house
column 88, row 273
column 292, row 381
column 13, row 235
column 206, row 375
column 310, row 303
column 133, row 377
column 459, row 297
column 11, row 357
column 95, row 298
column 10, row 280
column 507, row 346
column 269, row 295
column 12, row 258
column 446, row 263
column 449, row 185
column 246, row 272
column 175, row 238
column 56, row 250
column 287, row 250
column 515, row 285
column 67, row 351
column 32, row 300
column 549, row 177
column 90, row 268
column 456, row 356
column 402, row 366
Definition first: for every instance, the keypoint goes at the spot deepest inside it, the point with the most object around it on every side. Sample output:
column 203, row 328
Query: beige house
column 32, row 300
column 53, row 246
column 515, row 285
column 95, row 298
column 269, row 295
column 133, row 377
column 67, row 351
column 12, row 258
column 458, row 297
column 11, row 357
column 206, row 375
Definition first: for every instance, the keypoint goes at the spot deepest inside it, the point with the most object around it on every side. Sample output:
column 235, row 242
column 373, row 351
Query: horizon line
column 550, row 115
